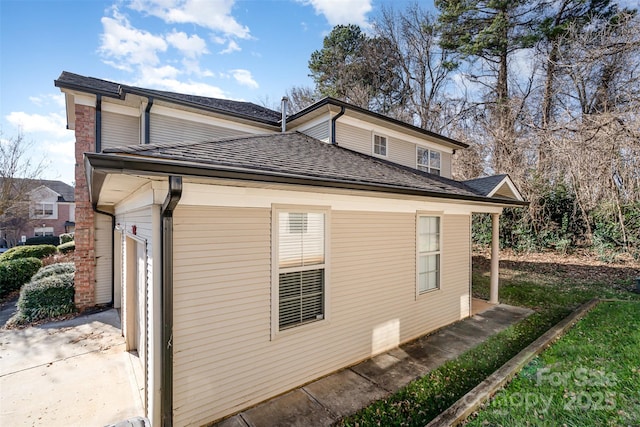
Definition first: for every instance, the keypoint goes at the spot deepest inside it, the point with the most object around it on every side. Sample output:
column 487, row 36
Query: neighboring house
column 251, row 251
column 41, row 208
column 52, row 209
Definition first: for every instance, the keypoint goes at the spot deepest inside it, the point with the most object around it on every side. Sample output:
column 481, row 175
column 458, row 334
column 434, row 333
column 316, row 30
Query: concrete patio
column 70, row 373
column 323, row 402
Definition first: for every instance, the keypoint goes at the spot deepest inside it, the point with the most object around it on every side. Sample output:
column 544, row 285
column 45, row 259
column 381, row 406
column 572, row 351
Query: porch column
column 495, row 258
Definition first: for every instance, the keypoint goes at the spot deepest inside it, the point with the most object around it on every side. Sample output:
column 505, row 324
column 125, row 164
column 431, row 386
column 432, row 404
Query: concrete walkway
column 325, row 401
column 70, row 373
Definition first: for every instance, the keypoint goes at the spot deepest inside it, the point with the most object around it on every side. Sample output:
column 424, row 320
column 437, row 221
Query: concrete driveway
column 70, row 373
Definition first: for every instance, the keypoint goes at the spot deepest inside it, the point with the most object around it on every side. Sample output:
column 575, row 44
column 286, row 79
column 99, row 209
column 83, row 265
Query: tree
column 424, row 67
column 19, row 174
column 561, row 16
column 300, row 97
column 358, row 69
column 492, row 31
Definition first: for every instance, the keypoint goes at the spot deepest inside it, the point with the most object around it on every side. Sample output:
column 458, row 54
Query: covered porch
column 500, row 186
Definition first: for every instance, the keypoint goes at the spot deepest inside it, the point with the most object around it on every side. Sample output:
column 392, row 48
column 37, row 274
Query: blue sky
column 251, row 50
column 247, row 50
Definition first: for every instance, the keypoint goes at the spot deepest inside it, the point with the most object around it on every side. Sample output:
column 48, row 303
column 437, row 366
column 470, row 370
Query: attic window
column 380, row 145
column 428, row 161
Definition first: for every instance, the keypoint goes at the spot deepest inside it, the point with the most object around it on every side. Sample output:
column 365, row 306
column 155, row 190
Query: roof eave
column 123, row 90
column 98, row 165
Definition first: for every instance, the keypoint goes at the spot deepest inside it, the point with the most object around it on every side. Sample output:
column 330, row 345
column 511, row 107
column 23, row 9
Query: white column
column 495, row 258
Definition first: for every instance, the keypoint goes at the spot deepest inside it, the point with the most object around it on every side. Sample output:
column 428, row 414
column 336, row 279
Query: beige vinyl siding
column 398, row 150
column 354, row 138
column 104, row 255
column 319, row 131
column 172, row 129
column 119, row 129
column 445, row 164
column 225, row 359
column 402, row 152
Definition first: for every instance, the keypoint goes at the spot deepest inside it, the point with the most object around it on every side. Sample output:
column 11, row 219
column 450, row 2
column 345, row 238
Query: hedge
column 43, row 240
column 16, row 272
column 49, row 296
column 67, row 247
column 54, row 269
column 39, row 251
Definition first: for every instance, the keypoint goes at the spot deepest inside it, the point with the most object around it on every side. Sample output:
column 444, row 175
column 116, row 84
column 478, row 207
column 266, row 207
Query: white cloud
column 192, row 66
column 190, row 46
column 51, row 142
column 189, row 87
column 342, row 11
column 53, row 123
column 159, row 73
column 56, row 99
column 120, row 42
column 212, row 14
column 244, row 78
column 231, row 47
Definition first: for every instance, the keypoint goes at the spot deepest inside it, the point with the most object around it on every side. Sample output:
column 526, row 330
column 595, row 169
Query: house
column 252, row 251
column 40, row 208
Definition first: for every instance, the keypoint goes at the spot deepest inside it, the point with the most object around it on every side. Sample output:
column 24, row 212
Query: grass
column 553, row 292
column 591, row 376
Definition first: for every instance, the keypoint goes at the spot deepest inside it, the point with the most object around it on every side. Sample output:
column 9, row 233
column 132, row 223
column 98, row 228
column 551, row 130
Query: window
column 428, row 161
column 428, row 253
column 301, row 267
column 43, row 231
column 43, row 209
column 379, row 145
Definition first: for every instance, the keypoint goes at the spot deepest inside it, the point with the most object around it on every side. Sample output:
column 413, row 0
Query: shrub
column 39, row 251
column 54, row 269
column 15, row 273
column 67, row 247
column 49, row 296
column 43, row 240
column 66, row 238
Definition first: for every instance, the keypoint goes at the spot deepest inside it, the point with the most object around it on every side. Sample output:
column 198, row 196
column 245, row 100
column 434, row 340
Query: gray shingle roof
column 485, row 185
column 107, row 88
column 294, row 153
column 66, row 191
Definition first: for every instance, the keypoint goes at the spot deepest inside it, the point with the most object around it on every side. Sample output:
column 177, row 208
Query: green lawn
column 552, row 289
column 590, row 377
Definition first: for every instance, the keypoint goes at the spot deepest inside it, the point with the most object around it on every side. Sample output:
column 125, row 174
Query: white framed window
column 299, row 280
column 43, row 231
column 429, row 160
column 429, row 252
column 380, row 146
column 43, row 209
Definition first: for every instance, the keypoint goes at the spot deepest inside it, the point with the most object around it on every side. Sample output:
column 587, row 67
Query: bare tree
column 19, row 174
column 425, row 67
column 595, row 144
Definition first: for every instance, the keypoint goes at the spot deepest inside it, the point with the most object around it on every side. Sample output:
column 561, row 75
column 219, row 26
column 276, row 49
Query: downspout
column 113, row 250
column 333, row 125
column 166, row 232
column 147, row 120
column 98, row 123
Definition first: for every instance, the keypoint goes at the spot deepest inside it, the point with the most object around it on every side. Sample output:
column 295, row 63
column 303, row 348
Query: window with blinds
column 428, row 253
column 301, row 268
